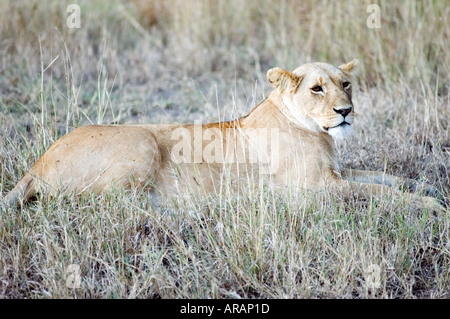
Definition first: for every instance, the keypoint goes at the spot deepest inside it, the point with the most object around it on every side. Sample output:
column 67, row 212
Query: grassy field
column 180, row 61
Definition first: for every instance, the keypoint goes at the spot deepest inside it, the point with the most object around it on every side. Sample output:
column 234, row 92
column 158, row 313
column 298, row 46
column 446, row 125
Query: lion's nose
column 343, row 111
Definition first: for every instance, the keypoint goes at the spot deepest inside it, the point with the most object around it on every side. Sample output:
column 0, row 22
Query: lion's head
column 318, row 96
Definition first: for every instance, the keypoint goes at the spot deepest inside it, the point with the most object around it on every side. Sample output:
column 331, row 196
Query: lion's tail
column 22, row 192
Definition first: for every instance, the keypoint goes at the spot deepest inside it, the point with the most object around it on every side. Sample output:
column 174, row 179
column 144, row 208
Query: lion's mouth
column 343, row 123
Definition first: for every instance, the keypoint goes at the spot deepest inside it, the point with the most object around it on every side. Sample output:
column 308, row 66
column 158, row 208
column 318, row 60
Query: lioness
column 286, row 139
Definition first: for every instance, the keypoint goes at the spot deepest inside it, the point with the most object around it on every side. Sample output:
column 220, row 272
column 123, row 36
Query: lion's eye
column 346, row 85
column 317, row 88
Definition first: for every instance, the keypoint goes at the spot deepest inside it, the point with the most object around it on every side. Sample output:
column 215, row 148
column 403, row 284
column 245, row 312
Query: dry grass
column 167, row 61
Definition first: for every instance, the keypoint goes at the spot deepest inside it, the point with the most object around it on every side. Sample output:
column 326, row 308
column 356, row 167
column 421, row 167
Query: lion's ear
column 283, row 79
column 349, row 67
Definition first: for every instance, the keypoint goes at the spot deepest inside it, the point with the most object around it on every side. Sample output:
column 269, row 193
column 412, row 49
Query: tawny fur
column 98, row 158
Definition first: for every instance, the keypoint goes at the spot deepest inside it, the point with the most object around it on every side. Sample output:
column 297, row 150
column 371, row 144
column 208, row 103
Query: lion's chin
column 340, row 132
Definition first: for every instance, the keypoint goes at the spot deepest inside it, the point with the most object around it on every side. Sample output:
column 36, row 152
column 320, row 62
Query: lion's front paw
column 414, row 186
column 428, row 190
column 434, row 204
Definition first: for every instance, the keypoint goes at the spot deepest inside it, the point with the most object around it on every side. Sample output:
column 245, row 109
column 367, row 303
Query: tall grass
column 180, row 61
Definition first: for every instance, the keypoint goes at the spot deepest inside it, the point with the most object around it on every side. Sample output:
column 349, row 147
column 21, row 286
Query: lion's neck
column 273, row 112
column 280, row 104
column 269, row 114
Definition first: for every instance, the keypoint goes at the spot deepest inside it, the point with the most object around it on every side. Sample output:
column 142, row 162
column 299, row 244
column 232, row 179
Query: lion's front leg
column 367, row 190
column 381, row 178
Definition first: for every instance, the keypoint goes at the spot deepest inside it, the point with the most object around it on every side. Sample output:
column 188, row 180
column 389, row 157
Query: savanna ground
column 180, row 61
